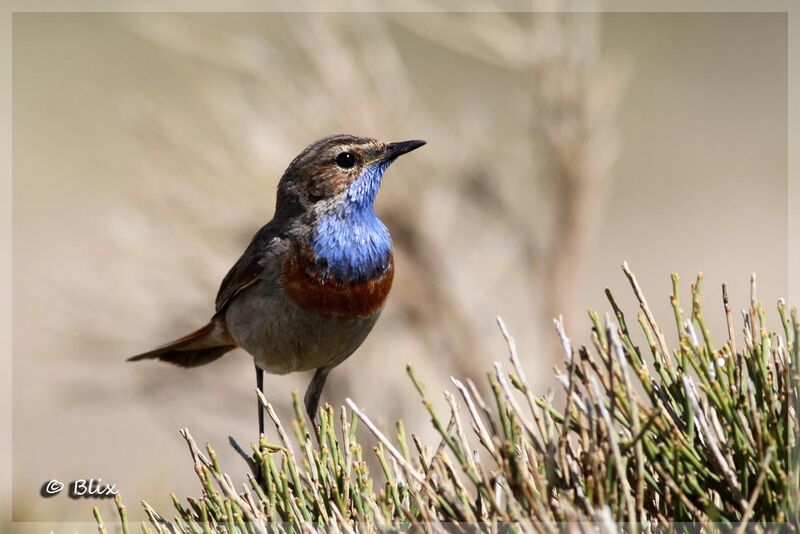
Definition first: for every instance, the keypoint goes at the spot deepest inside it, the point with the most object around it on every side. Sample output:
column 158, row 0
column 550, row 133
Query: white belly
column 283, row 338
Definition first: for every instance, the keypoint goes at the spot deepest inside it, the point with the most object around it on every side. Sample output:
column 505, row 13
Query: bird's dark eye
column 346, row 160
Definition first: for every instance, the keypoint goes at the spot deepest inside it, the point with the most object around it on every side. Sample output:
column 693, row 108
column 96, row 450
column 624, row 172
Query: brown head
column 325, row 172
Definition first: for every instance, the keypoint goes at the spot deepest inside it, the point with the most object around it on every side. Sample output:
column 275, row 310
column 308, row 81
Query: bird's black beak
column 394, row 150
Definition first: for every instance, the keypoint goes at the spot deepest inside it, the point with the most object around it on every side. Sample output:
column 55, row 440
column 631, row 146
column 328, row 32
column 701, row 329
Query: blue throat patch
column 350, row 240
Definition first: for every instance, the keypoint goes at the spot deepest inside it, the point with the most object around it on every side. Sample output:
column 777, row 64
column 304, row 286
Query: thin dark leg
column 260, row 385
column 313, row 394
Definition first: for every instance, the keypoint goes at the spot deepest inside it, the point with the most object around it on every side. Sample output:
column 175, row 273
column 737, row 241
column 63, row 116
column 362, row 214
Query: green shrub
column 647, row 435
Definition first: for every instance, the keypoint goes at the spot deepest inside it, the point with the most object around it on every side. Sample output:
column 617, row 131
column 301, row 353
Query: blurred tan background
column 147, row 148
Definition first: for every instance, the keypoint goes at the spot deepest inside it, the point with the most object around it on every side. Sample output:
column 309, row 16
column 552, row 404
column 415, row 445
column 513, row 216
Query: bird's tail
column 198, row 348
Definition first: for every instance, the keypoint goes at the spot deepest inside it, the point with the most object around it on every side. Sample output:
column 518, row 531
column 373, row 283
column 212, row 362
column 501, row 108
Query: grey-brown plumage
column 313, row 281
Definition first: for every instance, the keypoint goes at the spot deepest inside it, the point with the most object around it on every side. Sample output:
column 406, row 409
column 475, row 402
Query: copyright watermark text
column 87, row 488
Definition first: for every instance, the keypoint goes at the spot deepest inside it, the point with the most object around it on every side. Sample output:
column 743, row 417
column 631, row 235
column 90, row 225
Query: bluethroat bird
column 313, row 281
